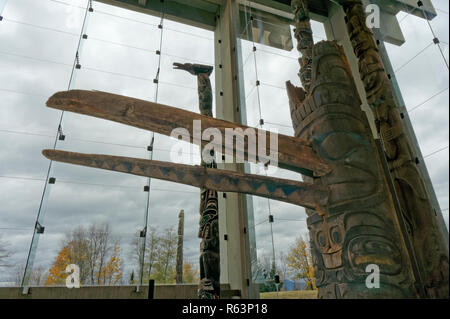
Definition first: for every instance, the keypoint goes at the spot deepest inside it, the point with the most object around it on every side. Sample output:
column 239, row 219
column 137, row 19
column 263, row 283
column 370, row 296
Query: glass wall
column 269, row 59
column 118, row 51
column 421, row 70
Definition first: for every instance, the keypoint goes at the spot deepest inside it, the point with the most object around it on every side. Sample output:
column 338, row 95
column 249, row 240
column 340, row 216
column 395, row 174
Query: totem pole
column 209, row 285
column 429, row 244
column 179, row 260
column 305, row 42
column 360, row 228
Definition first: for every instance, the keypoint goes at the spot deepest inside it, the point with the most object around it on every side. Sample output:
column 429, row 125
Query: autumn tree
column 111, row 273
column 94, row 251
column 57, row 273
column 190, row 273
column 299, row 262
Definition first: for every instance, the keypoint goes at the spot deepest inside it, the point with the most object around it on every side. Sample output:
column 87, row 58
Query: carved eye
column 321, row 239
column 336, row 235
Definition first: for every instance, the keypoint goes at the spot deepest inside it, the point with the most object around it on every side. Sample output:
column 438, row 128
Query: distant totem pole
column 362, row 226
column 179, row 260
column 429, row 243
column 209, row 286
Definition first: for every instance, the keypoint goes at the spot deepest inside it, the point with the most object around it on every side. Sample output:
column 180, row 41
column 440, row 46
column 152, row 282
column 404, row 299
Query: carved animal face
column 328, row 238
column 305, row 39
column 338, row 130
column 209, row 202
column 369, row 240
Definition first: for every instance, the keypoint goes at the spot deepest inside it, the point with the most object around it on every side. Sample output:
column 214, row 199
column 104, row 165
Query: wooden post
column 360, row 229
column 422, row 228
column 179, row 266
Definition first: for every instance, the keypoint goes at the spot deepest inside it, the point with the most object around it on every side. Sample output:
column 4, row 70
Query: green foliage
column 160, row 256
column 269, row 284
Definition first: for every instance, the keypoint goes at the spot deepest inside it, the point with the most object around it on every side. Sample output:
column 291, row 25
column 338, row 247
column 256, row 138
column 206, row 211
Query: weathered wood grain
column 293, row 153
column 298, row 193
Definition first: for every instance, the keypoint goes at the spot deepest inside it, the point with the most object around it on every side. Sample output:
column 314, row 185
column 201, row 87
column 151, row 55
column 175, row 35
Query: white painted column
column 233, row 220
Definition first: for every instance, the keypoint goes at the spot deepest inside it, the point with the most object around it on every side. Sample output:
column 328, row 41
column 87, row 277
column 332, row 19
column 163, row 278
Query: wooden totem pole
column 359, row 227
column 179, row 259
column 327, row 110
column 429, row 244
column 209, row 286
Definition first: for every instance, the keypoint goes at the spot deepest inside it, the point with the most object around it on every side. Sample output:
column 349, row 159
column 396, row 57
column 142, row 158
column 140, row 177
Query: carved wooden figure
column 179, row 258
column 304, row 36
column 428, row 242
column 209, row 285
column 359, row 227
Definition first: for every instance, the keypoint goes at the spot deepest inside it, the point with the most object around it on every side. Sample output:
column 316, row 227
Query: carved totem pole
column 209, row 286
column 179, row 258
column 422, row 228
column 423, row 231
column 359, row 227
column 352, row 213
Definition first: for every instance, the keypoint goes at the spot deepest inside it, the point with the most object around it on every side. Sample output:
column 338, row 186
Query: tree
column 94, row 251
column 190, row 274
column 152, row 247
column 57, row 273
column 299, row 262
column 37, row 277
column 5, row 253
column 78, row 246
column 153, row 240
column 160, row 255
column 282, row 265
column 164, row 264
column 265, row 271
column 111, row 273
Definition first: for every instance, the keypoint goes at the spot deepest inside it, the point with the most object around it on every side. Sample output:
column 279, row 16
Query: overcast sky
column 38, row 40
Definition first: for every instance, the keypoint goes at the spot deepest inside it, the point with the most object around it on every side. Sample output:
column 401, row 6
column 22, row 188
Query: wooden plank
column 293, row 153
column 298, row 193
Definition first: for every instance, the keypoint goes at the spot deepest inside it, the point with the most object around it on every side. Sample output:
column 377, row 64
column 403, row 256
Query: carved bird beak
column 193, row 69
column 189, row 67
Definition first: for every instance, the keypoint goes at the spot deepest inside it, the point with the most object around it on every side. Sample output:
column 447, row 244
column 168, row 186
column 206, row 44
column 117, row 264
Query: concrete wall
column 182, row 291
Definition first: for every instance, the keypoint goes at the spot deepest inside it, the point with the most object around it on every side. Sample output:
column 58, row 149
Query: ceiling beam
column 178, row 11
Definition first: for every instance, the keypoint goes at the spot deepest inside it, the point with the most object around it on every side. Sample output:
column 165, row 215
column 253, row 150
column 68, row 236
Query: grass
column 298, row 294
